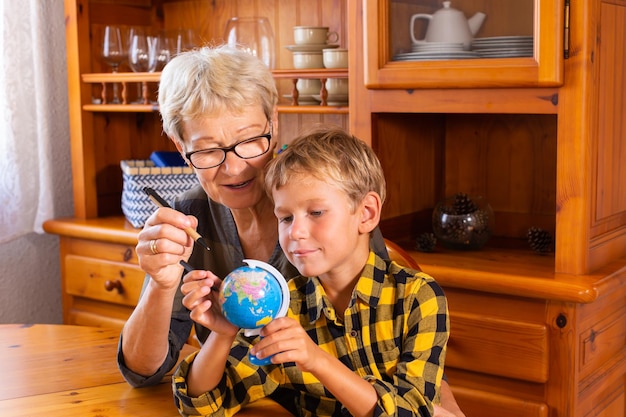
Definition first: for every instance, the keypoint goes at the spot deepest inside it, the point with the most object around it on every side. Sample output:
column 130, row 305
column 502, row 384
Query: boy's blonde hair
column 330, row 155
column 210, row 80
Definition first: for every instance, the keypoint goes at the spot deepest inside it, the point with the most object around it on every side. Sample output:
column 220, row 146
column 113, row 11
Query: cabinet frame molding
column 544, row 69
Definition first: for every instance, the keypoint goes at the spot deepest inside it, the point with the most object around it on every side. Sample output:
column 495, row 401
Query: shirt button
column 353, row 333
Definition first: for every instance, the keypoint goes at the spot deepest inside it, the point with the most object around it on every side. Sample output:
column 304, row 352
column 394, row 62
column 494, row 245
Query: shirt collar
column 368, row 287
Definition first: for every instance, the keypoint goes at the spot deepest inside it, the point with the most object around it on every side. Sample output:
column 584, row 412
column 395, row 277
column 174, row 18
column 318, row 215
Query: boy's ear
column 370, row 209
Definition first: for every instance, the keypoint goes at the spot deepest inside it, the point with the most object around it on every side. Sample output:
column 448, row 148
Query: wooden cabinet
column 100, row 276
column 101, row 280
column 539, row 138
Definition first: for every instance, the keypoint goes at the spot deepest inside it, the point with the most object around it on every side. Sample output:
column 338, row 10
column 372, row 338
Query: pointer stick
column 160, row 202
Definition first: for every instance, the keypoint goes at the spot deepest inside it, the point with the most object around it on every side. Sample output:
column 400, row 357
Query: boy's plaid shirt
column 394, row 335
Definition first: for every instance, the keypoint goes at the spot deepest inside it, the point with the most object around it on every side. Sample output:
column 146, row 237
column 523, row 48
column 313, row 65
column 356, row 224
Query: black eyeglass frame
column 225, row 150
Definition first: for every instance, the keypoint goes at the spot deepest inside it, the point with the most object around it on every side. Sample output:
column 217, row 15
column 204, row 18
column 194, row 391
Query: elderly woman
column 218, row 106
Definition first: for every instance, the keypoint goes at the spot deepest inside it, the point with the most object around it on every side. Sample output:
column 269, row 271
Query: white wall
column 30, row 279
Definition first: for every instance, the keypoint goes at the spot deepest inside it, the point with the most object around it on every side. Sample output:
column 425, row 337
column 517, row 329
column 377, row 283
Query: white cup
column 303, row 60
column 335, row 57
column 337, row 86
column 308, row 86
column 313, row 35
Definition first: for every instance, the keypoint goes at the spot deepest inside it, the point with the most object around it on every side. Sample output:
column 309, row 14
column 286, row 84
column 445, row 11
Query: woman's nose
column 233, row 164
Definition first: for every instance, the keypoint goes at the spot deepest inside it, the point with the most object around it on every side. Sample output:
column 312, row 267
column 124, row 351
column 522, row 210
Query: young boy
column 363, row 337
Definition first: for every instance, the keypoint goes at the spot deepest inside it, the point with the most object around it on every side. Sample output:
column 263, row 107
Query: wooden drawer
column 487, row 404
column 500, row 347
column 101, row 250
column 113, row 282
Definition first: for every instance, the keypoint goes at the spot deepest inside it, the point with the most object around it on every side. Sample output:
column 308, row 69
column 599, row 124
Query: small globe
column 251, row 296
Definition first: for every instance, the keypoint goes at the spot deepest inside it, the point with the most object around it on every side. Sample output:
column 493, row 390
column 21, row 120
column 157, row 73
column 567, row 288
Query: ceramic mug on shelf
column 314, row 35
column 335, row 57
column 337, row 86
column 304, row 60
column 308, row 86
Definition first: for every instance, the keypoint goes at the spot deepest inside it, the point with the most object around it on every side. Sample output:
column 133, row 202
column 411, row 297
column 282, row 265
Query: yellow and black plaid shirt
column 394, row 335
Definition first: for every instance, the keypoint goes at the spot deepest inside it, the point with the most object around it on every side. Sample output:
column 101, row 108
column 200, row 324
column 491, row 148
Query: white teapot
column 448, row 25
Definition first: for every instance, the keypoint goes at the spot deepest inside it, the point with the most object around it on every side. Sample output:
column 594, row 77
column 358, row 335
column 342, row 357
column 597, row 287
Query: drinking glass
column 181, row 40
column 113, row 53
column 253, row 34
column 142, row 53
column 142, row 57
column 163, row 51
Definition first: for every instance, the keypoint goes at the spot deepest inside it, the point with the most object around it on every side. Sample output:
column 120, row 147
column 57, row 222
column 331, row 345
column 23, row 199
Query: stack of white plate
column 433, row 51
column 503, row 46
column 437, row 47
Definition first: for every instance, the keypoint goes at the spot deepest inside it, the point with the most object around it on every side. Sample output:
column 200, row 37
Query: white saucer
column 311, row 47
column 303, row 99
column 333, row 99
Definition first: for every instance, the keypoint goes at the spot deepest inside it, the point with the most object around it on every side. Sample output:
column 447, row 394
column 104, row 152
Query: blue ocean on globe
column 250, row 297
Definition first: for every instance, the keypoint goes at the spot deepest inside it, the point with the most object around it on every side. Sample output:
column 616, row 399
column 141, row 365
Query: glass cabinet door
column 464, row 43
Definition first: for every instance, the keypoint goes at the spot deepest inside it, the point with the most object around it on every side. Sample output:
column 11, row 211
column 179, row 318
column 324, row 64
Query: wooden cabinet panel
column 609, row 402
column 103, row 280
column 603, row 341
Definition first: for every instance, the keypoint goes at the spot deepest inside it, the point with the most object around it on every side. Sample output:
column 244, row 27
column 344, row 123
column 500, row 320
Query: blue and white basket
column 169, row 182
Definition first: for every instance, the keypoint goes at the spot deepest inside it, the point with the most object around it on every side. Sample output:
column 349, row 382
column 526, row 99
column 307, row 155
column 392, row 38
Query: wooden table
column 61, row 370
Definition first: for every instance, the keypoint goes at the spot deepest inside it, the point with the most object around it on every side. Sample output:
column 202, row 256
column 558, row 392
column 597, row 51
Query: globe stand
column 281, row 312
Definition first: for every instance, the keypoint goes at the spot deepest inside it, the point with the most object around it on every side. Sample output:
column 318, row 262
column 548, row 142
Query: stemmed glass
column 113, row 53
column 163, row 51
column 181, row 40
column 142, row 57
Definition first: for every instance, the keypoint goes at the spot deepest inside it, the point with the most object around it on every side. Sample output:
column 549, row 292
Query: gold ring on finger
column 153, row 247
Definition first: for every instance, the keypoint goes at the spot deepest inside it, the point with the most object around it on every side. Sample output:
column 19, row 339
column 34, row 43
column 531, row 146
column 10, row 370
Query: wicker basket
column 169, row 182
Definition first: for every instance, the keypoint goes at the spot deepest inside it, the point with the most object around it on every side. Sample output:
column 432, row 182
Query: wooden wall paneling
column 292, row 125
column 510, row 160
column 411, row 161
column 206, row 18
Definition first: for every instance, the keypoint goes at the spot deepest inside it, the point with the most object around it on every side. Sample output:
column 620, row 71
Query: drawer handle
column 114, row 285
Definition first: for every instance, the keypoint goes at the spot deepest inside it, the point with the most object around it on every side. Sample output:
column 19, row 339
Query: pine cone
column 540, row 240
column 463, row 204
column 426, row 242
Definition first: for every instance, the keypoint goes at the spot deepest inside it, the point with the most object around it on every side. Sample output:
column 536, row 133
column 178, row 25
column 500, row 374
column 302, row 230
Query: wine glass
column 142, row 53
column 163, row 51
column 113, row 53
column 181, row 40
column 142, row 57
column 254, row 35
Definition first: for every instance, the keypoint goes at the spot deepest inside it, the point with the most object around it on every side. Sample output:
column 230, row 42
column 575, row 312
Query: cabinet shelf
column 124, row 78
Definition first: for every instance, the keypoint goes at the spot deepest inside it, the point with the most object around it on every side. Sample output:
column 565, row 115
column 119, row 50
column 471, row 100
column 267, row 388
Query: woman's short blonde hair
column 330, row 155
column 210, row 80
